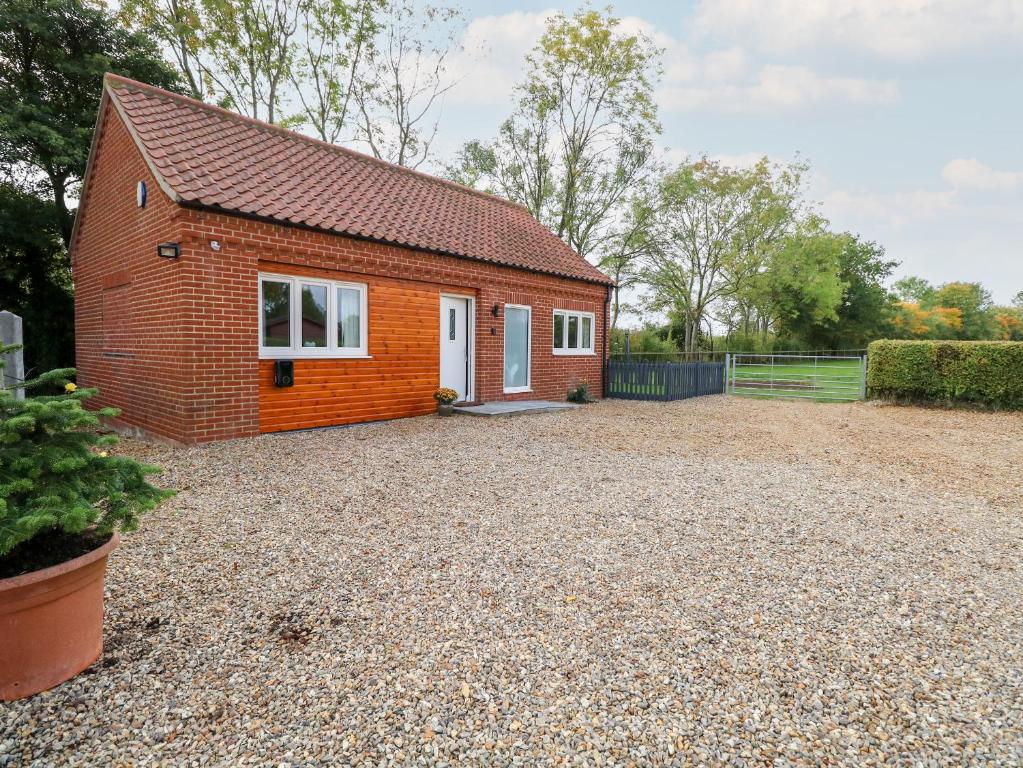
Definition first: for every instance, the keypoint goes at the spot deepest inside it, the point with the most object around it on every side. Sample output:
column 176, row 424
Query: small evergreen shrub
column 56, row 476
column 580, row 394
column 987, row 373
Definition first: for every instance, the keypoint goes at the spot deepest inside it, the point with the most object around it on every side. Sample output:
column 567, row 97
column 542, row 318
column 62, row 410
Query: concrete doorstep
column 515, row 406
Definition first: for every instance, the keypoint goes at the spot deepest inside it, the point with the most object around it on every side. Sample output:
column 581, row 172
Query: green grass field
column 825, row 380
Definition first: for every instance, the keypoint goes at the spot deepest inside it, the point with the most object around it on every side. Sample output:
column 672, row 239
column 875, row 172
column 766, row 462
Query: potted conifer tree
column 63, row 499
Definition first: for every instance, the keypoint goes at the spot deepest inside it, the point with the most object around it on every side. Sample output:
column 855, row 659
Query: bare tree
column 399, row 99
column 337, row 38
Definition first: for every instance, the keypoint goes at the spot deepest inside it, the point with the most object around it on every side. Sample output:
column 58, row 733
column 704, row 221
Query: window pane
column 276, row 314
column 573, row 331
column 585, row 343
column 559, row 331
column 314, row 315
column 349, row 325
column 452, row 314
column 516, row 347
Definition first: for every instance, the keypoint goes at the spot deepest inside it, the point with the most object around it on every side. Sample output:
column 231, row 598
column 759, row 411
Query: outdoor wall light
column 495, row 310
column 168, row 250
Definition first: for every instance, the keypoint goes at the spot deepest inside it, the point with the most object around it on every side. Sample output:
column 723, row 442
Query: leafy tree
column 913, row 289
column 1007, row 323
column 35, row 278
column 252, row 45
column 866, row 310
column 53, row 54
column 710, row 234
column 178, row 25
column 911, row 321
column 580, row 140
column 974, row 304
column 647, row 342
column 623, row 252
column 1017, row 300
column 803, row 280
column 373, row 72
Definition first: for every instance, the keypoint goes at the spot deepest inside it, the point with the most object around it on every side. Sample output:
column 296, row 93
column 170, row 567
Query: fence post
column 14, row 362
column 863, row 384
column 728, row 363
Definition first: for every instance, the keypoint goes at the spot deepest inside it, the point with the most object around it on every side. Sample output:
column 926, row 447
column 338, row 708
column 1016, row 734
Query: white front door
column 454, row 345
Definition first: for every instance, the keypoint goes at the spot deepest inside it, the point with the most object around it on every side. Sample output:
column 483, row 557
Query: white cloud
column 891, row 28
column 721, row 79
column 490, row 64
column 493, row 50
column 974, row 175
column 895, row 209
column 778, row 87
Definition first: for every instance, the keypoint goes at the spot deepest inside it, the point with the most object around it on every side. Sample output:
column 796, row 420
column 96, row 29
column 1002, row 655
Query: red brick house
column 208, row 247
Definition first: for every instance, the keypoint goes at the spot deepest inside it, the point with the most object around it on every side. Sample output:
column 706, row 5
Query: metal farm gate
column 663, row 381
column 804, row 377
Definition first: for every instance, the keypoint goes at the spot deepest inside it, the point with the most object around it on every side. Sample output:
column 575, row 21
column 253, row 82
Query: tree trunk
column 65, row 219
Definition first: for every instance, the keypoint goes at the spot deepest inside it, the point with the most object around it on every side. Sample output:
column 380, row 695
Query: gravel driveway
column 713, row 581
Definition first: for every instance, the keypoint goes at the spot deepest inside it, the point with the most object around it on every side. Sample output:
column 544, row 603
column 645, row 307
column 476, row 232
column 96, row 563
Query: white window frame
column 566, row 313
column 529, row 349
column 332, row 350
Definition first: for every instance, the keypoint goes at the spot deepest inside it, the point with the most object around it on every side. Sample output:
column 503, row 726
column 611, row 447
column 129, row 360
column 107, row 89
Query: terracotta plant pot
column 445, row 409
column 51, row 623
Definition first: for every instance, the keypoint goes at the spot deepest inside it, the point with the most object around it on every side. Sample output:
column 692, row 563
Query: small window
column 573, row 332
column 349, row 318
column 314, row 315
column 297, row 315
column 276, row 314
column 452, row 321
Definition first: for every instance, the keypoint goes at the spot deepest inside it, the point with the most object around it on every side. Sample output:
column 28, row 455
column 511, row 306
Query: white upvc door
column 517, row 338
column 456, row 345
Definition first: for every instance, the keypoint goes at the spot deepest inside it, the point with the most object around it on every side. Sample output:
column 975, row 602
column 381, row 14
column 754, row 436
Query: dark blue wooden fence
column 663, row 381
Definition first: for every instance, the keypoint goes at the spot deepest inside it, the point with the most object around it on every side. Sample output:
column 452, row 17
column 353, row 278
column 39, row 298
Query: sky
column 909, row 112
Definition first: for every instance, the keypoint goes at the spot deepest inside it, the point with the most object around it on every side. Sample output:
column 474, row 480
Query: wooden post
column 14, row 362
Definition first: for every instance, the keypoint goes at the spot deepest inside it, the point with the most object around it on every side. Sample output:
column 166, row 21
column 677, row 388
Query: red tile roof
column 208, row 157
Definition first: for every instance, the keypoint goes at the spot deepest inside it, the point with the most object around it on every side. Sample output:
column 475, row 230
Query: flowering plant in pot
column 63, row 499
column 445, row 397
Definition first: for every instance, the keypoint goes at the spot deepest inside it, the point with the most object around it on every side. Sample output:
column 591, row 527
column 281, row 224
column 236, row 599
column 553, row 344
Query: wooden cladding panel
column 398, row 380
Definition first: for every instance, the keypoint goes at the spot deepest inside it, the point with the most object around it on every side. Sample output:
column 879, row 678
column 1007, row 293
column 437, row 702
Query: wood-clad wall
column 398, row 380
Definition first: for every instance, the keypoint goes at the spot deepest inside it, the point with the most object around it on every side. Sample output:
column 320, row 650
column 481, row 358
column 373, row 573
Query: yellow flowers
column 445, row 395
column 104, row 454
column 70, row 387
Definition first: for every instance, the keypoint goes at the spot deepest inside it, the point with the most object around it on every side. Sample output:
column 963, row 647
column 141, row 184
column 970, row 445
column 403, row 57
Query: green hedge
column 988, row 373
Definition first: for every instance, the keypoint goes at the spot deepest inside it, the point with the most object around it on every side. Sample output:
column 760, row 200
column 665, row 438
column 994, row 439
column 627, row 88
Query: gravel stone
column 716, row 581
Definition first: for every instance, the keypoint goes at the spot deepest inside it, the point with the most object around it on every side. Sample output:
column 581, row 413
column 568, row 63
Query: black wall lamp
column 495, row 310
column 168, row 250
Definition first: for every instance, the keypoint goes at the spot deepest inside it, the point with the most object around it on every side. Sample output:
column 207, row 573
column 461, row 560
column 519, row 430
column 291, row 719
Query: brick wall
column 129, row 312
column 188, row 366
